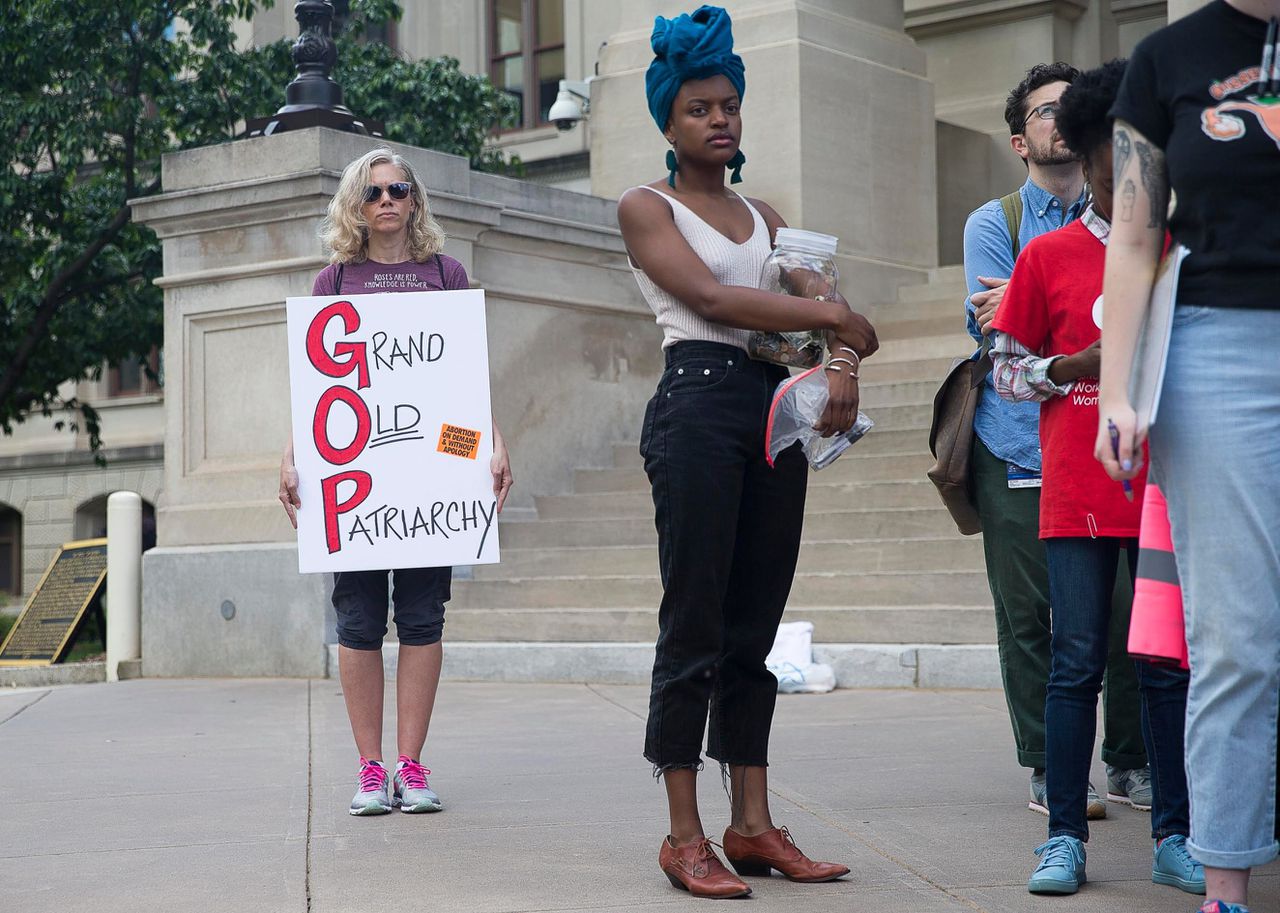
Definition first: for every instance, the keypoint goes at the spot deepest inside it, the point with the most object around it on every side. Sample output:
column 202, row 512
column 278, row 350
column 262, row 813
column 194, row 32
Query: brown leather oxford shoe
column 776, row 849
column 695, row 867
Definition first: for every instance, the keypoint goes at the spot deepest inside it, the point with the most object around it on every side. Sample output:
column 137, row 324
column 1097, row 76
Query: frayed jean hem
column 660, row 769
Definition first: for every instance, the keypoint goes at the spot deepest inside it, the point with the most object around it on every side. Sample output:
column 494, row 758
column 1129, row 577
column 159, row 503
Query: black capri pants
column 728, row 539
column 360, row 601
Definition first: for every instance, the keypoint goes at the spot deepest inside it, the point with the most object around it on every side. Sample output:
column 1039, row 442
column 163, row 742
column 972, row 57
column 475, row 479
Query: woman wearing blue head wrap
column 692, row 47
column 728, row 525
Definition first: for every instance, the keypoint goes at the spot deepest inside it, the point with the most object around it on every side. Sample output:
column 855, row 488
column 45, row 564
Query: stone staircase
column 881, row 561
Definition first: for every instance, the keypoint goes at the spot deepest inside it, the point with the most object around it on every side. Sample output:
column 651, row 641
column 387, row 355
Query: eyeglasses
column 1047, row 111
column 398, row 190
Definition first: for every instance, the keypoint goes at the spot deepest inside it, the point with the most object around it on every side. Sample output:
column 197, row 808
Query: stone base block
column 856, row 665
column 59, row 674
column 869, row 665
column 233, row 610
column 958, row 666
column 128, row 669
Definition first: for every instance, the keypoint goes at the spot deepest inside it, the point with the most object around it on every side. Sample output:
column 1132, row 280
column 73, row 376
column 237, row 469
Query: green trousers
column 1019, row 580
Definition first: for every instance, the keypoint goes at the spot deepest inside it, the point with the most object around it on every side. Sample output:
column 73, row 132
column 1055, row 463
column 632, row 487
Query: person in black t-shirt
column 1198, row 123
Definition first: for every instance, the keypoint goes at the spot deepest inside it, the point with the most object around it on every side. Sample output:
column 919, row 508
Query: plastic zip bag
column 798, row 404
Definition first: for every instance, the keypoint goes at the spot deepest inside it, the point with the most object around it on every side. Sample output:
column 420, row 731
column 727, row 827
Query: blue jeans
column 1213, row 451
column 1082, row 576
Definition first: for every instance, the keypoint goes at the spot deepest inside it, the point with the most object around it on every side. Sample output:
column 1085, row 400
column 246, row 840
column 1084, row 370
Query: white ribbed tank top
column 730, row 263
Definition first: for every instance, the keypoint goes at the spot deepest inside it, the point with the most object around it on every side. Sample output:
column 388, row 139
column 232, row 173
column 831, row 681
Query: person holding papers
column 1047, row 350
column 384, row 239
column 1198, row 124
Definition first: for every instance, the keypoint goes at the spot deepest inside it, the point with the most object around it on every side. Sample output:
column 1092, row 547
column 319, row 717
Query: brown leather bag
column 951, row 441
column 951, row 433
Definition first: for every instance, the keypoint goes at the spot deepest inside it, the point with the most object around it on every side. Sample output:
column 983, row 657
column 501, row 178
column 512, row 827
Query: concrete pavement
column 231, row 795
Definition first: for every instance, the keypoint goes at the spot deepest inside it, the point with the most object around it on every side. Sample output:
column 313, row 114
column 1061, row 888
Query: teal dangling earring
column 736, row 164
column 672, row 166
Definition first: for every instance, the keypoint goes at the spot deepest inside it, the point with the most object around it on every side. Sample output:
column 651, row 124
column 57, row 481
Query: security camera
column 565, row 113
column 572, row 104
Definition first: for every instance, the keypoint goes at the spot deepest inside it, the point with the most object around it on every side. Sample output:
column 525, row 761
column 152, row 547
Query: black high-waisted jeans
column 728, row 537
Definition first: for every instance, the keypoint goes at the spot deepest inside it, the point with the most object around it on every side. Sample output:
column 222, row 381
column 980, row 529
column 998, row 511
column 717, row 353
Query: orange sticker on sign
column 459, row 442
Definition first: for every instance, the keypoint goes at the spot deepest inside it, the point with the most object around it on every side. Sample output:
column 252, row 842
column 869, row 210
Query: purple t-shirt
column 371, row 277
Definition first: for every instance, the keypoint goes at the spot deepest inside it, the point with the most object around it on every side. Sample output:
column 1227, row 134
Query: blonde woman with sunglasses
column 384, row 239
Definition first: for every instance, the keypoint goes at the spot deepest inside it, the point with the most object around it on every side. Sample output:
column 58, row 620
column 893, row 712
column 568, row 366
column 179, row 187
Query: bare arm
column 289, row 484
column 659, row 249
column 500, row 467
column 1133, row 252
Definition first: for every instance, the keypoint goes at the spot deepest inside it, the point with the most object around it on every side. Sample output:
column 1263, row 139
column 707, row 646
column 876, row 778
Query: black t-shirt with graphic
column 1192, row 89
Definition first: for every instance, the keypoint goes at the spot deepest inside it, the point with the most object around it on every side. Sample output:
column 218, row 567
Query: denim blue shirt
column 1010, row 430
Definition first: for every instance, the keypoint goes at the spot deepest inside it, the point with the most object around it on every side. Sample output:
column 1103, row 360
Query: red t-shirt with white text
column 1053, row 306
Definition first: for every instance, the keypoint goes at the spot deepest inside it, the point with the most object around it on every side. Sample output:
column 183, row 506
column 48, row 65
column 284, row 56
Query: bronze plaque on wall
column 43, row 631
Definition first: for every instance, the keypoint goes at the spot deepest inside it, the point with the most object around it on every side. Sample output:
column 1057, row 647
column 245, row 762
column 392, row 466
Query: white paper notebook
column 1151, row 354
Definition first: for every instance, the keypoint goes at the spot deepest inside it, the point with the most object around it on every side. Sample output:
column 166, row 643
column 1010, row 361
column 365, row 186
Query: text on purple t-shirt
column 371, row 277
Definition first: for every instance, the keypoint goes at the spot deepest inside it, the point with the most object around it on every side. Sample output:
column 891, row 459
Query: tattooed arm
column 1133, row 251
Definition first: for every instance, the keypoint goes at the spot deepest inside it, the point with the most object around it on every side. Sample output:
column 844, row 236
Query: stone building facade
column 877, row 120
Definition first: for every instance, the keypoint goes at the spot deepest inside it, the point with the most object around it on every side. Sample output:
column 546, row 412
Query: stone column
column 838, row 129
column 977, row 52
column 574, row 355
column 1180, row 8
column 238, row 223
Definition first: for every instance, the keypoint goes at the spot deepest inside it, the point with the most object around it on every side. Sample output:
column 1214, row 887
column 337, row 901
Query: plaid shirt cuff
column 1021, row 375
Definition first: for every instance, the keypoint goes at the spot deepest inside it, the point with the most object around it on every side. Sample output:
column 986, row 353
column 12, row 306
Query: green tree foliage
column 92, row 92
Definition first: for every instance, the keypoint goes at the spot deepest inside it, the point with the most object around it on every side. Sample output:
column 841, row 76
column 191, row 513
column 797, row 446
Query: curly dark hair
column 1084, row 120
column 1015, row 106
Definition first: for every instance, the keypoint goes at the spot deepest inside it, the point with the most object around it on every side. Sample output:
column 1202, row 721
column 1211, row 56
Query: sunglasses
column 398, row 190
column 1047, row 111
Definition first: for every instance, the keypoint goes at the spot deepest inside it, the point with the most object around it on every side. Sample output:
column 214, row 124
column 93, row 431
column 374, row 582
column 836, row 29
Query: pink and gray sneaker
column 372, row 796
column 412, row 794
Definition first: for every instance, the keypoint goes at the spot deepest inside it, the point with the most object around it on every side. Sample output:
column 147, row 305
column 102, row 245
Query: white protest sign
column 392, row 430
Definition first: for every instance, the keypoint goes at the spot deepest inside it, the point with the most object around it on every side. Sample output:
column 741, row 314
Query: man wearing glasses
column 1006, row 457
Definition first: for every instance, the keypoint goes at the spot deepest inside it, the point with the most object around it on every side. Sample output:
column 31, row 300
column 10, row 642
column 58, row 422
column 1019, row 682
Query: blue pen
column 1115, row 451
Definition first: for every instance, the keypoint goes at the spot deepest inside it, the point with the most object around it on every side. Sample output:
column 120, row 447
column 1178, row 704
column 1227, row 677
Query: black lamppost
column 313, row 99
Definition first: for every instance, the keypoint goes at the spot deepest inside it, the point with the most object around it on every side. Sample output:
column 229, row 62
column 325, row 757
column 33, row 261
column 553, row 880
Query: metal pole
column 314, row 54
column 124, row 580
column 313, row 99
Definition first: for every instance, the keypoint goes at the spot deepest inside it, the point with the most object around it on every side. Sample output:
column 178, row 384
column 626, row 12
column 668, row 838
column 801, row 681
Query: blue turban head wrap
column 691, row 47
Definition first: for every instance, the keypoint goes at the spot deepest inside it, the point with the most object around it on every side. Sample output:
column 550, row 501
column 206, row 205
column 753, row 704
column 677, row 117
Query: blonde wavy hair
column 344, row 230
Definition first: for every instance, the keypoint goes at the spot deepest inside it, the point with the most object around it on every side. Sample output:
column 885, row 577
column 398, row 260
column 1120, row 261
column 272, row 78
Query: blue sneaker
column 1061, row 868
column 1130, row 787
column 1221, row 906
column 1039, row 793
column 1173, row 864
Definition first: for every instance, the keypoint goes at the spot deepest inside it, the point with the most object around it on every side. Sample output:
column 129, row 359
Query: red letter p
column 329, row 493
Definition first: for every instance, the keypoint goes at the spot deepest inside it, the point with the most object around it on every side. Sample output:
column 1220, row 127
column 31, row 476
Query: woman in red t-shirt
column 1048, row 349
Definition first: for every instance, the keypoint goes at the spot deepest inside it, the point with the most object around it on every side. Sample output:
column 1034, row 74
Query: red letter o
column 320, row 426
